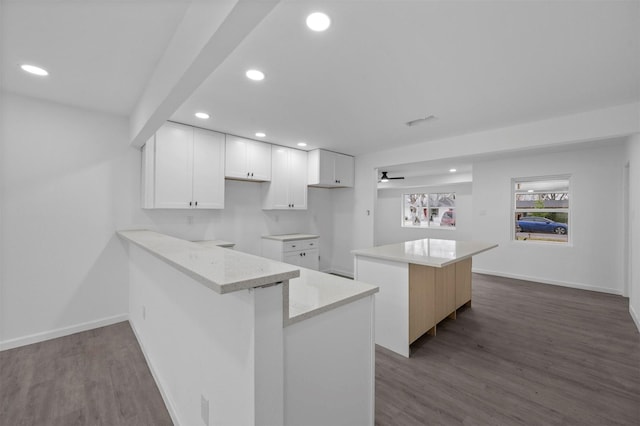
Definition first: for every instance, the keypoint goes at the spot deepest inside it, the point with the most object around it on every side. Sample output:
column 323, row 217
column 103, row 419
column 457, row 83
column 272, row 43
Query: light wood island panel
column 435, row 294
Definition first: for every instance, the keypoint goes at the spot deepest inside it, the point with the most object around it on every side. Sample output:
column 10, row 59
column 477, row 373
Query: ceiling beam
column 209, row 32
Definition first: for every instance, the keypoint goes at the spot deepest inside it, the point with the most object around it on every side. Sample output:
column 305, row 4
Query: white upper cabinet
column 183, row 167
column 330, row 169
column 288, row 187
column 247, row 160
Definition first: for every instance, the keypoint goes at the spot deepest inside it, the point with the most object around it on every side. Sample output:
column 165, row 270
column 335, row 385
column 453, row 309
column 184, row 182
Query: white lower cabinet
column 294, row 249
column 288, row 187
column 183, row 168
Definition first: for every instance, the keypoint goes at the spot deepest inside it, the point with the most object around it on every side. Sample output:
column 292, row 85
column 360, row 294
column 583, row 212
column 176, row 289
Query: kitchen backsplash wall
column 243, row 221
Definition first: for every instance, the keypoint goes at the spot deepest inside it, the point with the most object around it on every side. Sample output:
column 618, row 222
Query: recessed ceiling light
column 32, row 69
column 261, row 134
column 318, row 21
column 530, row 190
column 302, row 144
column 255, row 75
column 453, row 170
column 202, row 115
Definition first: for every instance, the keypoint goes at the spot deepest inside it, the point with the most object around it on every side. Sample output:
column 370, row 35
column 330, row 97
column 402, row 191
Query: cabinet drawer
column 301, row 245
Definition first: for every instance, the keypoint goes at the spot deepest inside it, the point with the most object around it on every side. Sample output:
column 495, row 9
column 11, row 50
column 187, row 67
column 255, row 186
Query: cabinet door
column 463, row 282
column 278, row 193
column 236, row 158
column 293, row 258
column 173, row 166
column 344, row 170
column 259, row 160
column 327, row 168
column 297, row 180
column 208, row 169
column 310, row 259
column 422, row 308
column 445, row 291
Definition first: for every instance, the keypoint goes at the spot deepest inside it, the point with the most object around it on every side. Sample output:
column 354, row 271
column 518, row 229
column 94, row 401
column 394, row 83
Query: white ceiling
column 99, row 53
column 474, row 64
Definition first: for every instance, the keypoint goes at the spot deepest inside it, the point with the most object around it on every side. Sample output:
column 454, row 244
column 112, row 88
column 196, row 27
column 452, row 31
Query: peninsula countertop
column 218, row 268
column 290, row 237
column 309, row 293
column 428, row 252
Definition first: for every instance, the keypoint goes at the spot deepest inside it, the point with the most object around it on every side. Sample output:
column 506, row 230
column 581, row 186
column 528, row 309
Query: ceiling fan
column 386, row 178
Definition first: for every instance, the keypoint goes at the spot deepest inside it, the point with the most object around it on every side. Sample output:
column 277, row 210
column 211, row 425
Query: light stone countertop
column 309, row 293
column 316, row 292
column 218, row 268
column 428, row 252
column 290, row 237
column 215, row 243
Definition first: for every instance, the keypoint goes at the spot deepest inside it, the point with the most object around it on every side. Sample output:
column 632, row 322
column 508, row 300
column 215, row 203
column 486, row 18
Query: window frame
column 568, row 210
column 428, row 207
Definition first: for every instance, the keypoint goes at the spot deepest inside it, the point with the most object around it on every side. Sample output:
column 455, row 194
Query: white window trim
column 513, row 212
column 402, row 225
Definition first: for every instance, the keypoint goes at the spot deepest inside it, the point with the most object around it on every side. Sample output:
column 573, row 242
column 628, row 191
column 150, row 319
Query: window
column 541, row 209
column 429, row 210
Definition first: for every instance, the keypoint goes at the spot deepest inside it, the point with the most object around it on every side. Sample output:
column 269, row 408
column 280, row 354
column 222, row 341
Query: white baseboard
column 634, row 316
column 552, row 282
column 168, row 402
column 60, row 332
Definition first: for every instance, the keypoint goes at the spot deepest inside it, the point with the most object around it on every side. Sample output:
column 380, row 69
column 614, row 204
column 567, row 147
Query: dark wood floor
column 97, row 377
column 524, row 354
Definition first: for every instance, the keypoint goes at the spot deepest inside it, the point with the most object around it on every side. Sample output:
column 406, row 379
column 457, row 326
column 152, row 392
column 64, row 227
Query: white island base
column 421, row 283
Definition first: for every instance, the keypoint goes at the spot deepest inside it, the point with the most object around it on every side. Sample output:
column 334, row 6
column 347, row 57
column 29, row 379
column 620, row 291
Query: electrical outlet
column 144, row 312
column 204, row 409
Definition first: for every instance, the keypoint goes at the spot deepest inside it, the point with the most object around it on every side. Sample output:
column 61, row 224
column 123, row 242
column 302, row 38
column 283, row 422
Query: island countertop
column 428, row 252
column 220, row 269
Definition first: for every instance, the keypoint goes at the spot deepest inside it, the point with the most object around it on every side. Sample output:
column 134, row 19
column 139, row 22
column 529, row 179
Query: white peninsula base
column 223, row 353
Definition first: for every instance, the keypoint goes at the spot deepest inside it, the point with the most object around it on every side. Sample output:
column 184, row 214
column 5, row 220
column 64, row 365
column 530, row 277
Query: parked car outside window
column 448, row 218
column 541, row 224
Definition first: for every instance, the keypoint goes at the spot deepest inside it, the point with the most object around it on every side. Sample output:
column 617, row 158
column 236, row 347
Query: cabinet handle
column 300, row 254
column 247, row 174
column 190, row 203
column 251, row 174
column 196, row 204
column 304, row 254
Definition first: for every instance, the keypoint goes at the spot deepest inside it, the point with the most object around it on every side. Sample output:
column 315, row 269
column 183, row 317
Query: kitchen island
column 233, row 338
column 421, row 283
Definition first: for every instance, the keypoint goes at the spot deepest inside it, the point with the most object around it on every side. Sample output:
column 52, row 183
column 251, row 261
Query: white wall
column 572, row 129
column 633, row 156
column 243, row 221
column 388, row 213
column 69, row 181
column 594, row 258
column 66, row 188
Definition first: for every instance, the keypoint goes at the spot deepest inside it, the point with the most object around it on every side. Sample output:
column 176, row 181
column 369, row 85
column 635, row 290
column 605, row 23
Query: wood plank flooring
column 98, row 377
column 524, row 354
